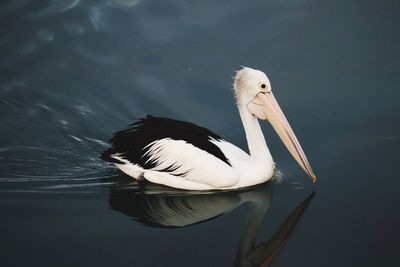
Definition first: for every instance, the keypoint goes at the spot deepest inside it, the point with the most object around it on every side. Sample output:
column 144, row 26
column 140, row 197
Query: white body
column 204, row 170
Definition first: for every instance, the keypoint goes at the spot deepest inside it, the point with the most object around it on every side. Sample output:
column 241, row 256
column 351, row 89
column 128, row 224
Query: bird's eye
column 263, row 86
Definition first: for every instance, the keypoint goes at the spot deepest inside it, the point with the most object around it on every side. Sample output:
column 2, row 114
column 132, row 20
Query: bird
column 185, row 156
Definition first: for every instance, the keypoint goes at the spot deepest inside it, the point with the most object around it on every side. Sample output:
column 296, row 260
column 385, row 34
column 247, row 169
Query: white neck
column 255, row 139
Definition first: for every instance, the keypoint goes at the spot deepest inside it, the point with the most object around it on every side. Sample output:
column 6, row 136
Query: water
column 73, row 72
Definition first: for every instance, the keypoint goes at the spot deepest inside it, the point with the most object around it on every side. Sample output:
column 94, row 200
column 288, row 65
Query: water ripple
column 68, row 186
column 55, row 7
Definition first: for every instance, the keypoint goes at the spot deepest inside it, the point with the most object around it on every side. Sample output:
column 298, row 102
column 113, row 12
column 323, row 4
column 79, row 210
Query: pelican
column 186, row 156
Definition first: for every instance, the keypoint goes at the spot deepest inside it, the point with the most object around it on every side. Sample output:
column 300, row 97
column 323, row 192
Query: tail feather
column 107, row 156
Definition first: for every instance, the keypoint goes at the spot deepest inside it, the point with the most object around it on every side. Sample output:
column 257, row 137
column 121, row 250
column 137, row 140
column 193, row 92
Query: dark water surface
column 73, row 72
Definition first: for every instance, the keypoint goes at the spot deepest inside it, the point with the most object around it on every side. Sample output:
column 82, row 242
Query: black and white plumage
column 186, row 156
column 180, row 152
column 133, row 144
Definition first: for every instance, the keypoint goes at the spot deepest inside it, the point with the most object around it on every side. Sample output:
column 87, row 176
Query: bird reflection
column 167, row 208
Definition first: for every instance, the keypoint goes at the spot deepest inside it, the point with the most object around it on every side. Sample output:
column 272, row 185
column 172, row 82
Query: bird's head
column 248, row 83
column 253, row 94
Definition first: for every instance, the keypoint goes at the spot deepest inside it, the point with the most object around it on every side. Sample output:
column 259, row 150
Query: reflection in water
column 265, row 253
column 163, row 207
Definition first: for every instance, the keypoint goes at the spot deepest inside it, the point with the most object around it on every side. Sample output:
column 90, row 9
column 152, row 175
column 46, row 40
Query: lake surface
column 73, row 72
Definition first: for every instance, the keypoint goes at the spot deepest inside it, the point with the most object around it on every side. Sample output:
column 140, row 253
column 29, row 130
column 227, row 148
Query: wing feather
column 134, row 143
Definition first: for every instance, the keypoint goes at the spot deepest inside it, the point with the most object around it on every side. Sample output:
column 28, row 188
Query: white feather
column 127, row 167
column 199, row 165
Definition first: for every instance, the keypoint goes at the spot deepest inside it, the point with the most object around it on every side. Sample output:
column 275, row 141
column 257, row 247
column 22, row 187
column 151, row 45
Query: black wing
column 131, row 143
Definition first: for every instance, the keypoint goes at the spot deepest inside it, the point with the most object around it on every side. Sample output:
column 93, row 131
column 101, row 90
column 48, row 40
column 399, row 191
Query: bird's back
column 133, row 143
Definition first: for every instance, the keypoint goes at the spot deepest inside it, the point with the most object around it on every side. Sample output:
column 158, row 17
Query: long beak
column 265, row 107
